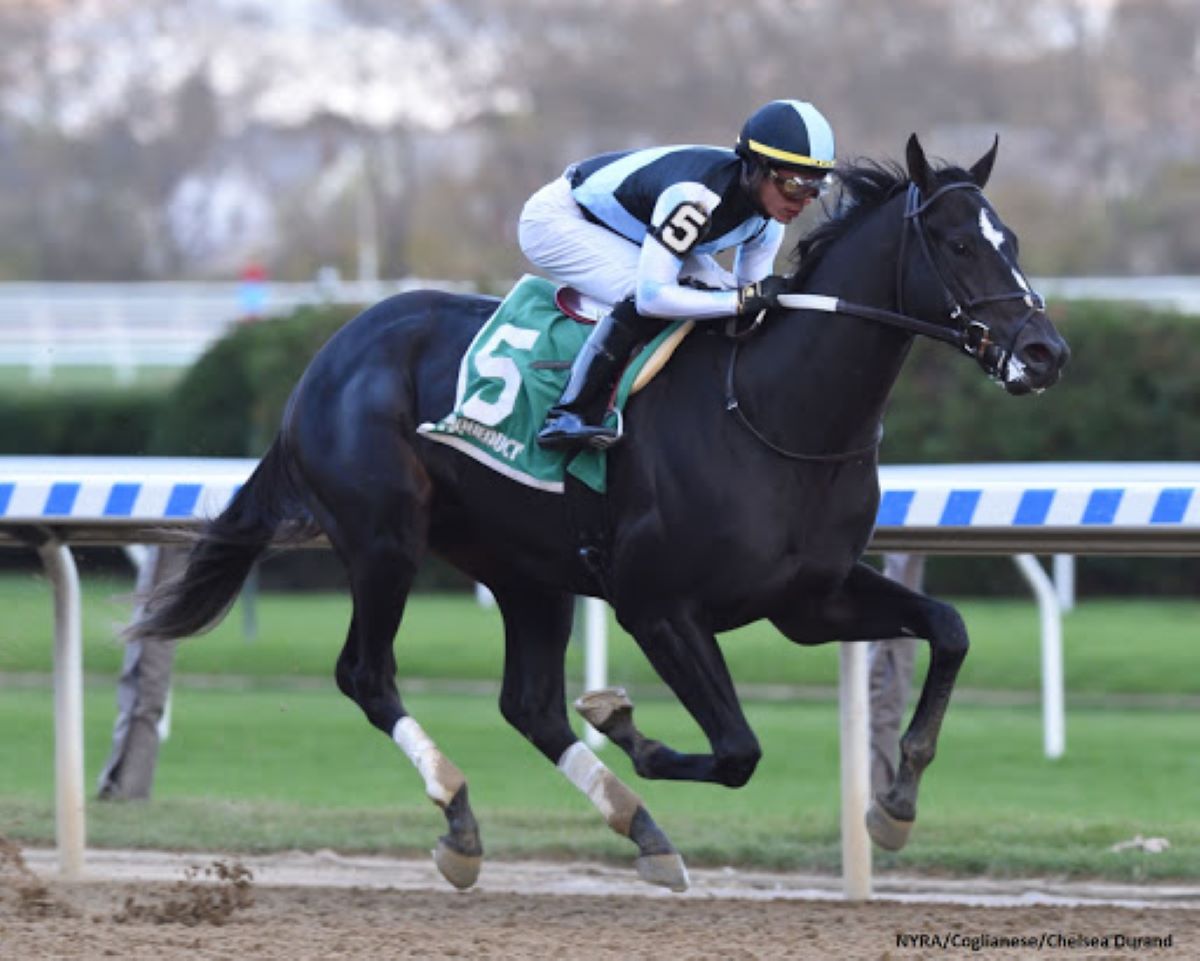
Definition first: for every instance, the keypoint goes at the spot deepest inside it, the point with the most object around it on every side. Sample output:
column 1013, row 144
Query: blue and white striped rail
column 116, row 491
column 1150, row 508
column 1076, row 508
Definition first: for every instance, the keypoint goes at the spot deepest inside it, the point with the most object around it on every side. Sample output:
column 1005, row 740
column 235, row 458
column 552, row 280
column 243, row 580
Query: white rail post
column 854, row 708
column 1054, row 723
column 1064, row 581
column 68, row 706
column 595, row 657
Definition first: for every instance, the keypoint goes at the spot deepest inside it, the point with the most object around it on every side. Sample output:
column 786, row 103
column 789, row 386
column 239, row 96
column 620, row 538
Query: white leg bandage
column 604, row 789
column 442, row 779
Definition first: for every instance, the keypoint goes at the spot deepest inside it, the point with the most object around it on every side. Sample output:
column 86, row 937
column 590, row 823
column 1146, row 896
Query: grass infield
column 279, row 768
column 1125, row 647
column 266, row 754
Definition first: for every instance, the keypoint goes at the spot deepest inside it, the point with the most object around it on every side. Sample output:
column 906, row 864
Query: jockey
column 638, row 230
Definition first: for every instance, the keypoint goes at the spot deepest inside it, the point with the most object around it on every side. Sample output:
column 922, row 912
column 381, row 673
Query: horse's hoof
column 888, row 832
column 599, row 708
column 665, row 870
column 461, row 870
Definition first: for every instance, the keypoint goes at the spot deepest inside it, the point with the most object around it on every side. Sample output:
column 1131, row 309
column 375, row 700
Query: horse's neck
column 829, row 380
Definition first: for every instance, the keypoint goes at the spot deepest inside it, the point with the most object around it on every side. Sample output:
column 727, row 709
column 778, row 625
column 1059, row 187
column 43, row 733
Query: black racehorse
column 746, row 488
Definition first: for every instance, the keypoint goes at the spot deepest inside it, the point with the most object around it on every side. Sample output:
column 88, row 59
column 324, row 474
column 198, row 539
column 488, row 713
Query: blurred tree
column 114, row 115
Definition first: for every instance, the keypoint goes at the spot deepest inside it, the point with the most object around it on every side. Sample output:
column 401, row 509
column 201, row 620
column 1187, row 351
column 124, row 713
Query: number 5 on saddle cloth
column 515, row 370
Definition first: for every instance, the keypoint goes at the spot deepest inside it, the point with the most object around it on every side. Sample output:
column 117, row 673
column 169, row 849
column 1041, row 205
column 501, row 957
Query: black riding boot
column 575, row 420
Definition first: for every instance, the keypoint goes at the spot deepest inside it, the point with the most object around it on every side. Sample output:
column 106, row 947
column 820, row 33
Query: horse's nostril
column 1037, row 356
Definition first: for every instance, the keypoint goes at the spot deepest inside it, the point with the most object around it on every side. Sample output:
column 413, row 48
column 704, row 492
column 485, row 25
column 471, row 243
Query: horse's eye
column 959, row 248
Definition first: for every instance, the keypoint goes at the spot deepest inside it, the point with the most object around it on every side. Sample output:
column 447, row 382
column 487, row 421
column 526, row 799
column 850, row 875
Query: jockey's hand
column 763, row 295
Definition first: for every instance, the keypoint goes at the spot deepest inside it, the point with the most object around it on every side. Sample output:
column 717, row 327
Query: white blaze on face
column 995, row 236
column 991, row 233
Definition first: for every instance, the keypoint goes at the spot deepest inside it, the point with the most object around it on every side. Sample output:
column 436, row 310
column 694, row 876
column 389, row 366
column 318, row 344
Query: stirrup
column 596, row 436
column 605, row 441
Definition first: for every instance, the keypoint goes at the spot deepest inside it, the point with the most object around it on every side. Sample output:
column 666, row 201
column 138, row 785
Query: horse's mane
column 865, row 186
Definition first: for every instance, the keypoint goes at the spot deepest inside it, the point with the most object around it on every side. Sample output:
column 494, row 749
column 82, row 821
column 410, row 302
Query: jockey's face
column 784, row 194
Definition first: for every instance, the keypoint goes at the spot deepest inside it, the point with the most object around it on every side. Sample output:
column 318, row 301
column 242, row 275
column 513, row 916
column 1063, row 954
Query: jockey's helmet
column 788, row 133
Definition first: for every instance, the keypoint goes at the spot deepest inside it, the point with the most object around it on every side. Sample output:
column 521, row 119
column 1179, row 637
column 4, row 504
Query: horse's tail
column 267, row 509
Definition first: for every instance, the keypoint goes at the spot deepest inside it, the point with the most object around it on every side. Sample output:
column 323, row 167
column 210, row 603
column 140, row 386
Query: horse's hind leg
column 380, row 535
column 366, row 672
column 867, row 606
column 537, row 625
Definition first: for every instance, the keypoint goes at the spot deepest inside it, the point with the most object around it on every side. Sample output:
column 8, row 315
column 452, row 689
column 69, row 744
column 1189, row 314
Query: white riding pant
column 557, row 237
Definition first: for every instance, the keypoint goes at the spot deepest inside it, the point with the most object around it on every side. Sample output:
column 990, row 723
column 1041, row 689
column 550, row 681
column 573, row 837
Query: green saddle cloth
column 512, row 373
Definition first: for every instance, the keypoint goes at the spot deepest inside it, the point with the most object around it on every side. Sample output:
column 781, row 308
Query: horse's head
column 960, row 270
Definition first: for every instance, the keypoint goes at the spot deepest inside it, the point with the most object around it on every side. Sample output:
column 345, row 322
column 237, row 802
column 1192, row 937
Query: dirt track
column 141, row 906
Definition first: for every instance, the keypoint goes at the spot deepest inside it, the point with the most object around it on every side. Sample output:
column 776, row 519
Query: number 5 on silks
column 682, row 229
column 501, row 368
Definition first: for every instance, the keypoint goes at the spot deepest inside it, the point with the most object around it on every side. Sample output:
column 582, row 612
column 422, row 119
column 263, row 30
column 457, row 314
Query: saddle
column 515, row 370
column 579, row 306
column 587, row 310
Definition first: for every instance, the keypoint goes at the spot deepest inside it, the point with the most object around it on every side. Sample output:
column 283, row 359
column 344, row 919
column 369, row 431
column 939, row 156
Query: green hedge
column 95, row 422
column 230, row 403
column 1131, row 392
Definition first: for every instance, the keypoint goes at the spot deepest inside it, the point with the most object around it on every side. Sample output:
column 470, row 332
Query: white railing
column 130, row 326
column 1179, row 293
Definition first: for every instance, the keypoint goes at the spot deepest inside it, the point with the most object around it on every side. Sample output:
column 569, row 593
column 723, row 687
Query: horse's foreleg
column 689, row 660
column 537, row 627
column 869, row 606
column 610, row 711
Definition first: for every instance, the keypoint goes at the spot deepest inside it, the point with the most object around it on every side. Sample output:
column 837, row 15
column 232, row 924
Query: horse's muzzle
column 1037, row 358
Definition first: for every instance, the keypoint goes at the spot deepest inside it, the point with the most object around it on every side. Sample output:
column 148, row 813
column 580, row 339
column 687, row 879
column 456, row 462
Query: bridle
column 968, row 333
column 965, row 331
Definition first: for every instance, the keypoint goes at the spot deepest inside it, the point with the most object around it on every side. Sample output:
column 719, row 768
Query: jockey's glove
column 763, row 295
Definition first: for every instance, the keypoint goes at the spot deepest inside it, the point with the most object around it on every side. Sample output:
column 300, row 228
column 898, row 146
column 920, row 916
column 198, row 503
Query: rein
column 968, row 334
column 732, row 405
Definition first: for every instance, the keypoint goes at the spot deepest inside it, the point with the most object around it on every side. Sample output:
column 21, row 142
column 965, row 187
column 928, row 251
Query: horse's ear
column 919, row 171
column 983, row 166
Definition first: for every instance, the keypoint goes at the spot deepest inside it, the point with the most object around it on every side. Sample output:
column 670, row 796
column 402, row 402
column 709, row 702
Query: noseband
column 968, row 333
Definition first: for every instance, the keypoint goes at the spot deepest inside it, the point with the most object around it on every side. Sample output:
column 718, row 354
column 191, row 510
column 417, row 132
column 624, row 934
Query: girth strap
column 591, row 526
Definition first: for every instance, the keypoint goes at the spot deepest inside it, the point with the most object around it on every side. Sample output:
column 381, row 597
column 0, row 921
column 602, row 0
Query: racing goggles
column 800, row 186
